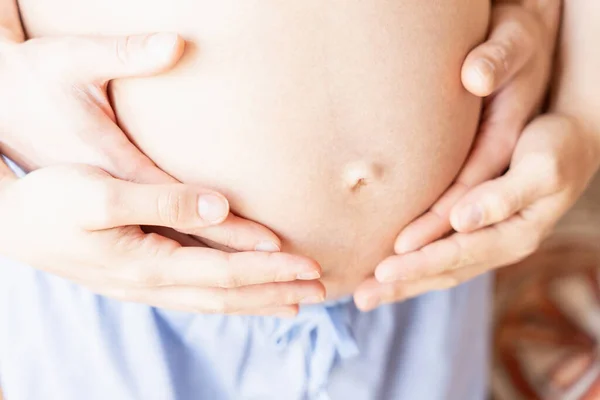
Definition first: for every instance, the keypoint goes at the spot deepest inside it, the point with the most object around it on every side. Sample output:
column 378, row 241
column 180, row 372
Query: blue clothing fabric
column 59, row 341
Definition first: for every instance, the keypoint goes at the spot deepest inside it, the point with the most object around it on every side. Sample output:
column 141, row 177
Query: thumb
column 97, row 59
column 496, row 201
column 547, row 158
column 178, row 206
column 510, row 45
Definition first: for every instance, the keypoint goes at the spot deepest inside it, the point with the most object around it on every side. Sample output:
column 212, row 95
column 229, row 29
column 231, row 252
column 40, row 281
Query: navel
column 361, row 174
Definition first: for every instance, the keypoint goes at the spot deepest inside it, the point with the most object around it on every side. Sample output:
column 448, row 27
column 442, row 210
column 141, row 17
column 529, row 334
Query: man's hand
column 513, row 68
column 84, row 225
column 501, row 221
column 54, row 109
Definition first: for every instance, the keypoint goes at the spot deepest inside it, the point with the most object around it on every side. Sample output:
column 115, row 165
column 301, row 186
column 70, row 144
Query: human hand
column 502, row 221
column 513, row 68
column 54, row 109
column 80, row 223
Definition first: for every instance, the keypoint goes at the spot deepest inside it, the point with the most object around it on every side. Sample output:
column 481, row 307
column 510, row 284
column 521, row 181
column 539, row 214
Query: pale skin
column 316, row 133
column 503, row 220
column 498, row 80
column 284, row 278
column 241, row 165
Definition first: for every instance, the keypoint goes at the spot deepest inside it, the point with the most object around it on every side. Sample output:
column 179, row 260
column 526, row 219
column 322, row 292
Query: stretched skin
column 333, row 123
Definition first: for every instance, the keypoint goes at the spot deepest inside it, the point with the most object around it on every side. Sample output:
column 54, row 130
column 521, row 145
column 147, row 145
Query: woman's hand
column 54, row 109
column 84, row 224
column 513, row 67
column 80, row 223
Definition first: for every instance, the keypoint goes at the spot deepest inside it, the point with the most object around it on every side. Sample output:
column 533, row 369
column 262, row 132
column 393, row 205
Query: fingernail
column 267, row 246
column 212, row 208
column 470, row 217
column 162, row 44
column 312, row 300
column 308, row 276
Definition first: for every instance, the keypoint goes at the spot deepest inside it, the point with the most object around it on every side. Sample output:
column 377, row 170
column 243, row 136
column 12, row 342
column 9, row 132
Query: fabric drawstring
column 329, row 339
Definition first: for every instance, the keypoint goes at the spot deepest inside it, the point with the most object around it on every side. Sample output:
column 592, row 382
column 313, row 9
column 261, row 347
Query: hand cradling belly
column 333, row 123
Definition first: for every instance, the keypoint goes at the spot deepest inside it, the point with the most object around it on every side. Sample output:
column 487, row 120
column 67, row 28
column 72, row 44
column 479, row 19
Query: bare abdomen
column 334, row 123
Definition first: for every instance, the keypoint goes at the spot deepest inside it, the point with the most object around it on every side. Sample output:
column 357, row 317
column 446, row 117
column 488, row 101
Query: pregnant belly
column 333, row 123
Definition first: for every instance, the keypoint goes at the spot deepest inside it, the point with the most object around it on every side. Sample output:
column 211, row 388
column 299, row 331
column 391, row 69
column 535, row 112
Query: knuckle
column 459, row 257
column 395, row 293
column 122, row 48
column 131, row 168
column 171, row 207
column 501, row 206
column 231, row 238
column 229, row 280
column 498, row 52
column 155, row 246
column 140, row 277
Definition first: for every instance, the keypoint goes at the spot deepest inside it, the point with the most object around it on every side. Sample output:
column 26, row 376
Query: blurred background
column 548, row 314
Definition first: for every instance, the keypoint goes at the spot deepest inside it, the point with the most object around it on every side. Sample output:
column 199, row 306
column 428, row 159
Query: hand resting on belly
column 332, row 124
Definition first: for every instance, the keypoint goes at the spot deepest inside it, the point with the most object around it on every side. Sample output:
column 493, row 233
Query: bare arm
column 577, row 91
column 10, row 21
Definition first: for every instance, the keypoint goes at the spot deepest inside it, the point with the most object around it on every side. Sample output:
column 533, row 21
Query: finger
column 182, row 207
column 280, row 312
column 137, row 295
column 372, row 294
column 489, row 157
column 234, row 234
column 511, row 44
column 243, row 300
column 540, row 167
column 238, row 234
column 503, row 121
column 432, row 225
column 497, row 245
column 157, row 262
column 497, row 200
column 97, row 59
column 106, row 146
column 181, row 238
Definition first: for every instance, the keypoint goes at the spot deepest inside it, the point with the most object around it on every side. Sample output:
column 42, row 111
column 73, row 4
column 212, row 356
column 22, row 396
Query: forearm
column 577, row 83
column 10, row 21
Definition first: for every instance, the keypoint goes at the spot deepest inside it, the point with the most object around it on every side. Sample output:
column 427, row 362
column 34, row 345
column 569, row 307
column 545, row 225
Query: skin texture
column 63, row 79
column 504, row 220
column 331, row 128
